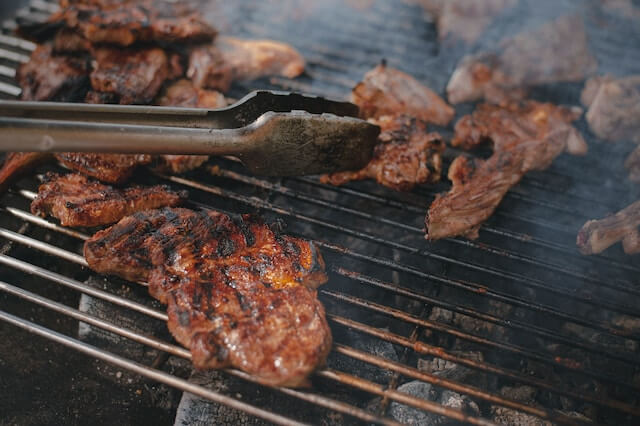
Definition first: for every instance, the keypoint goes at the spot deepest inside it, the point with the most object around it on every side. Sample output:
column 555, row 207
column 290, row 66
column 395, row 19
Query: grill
column 518, row 307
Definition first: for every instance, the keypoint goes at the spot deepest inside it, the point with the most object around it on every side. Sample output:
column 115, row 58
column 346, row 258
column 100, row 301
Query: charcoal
column 511, row 417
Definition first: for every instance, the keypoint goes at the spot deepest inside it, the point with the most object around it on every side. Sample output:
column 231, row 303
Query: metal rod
column 44, row 247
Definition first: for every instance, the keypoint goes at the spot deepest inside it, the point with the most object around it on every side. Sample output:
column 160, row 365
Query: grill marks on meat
column 598, row 235
column 406, row 156
column 555, row 52
column 238, row 293
column 50, row 77
column 231, row 59
column 525, row 137
column 126, row 22
column 78, row 201
column 109, row 168
column 387, row 91
column 132, row 76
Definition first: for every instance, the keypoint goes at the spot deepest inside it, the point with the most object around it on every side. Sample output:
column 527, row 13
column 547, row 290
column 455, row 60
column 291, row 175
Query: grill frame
column 411, row 342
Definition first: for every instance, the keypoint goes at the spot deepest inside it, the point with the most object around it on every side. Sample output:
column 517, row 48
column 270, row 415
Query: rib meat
column 133, row 76
column 406, row 156
column 525, row 137
column 387, row 91
column 231, row 59
column 238, row 293
column 555, row 52
column 50, row 77
column 78, row 201
column 598, row 235
column 109, row 168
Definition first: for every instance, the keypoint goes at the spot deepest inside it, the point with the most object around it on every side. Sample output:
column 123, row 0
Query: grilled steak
column 50, row 77
column 387, row 91
column 238, row 293
column 231, row 59
column 525, row 137
column 464, row 20
column 614, row 107
column 406, row 156
column 69, row 41
column 598, row 235
column 134, row 76
column 555, row 52
column 17, row 164
column 78, row 201
column 110, row 168
column 128, row 21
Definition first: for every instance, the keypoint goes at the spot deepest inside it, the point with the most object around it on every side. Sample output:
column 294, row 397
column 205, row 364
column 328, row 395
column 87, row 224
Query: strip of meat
column 129, row 21
column 109, row 168
column 388, row 91
column 598, row 235
column 184, row 94
column 632, row 164
column 76, row 200
column 67, row 40
column 525, row 137
column 17, row 164
column 50, row 77
column 406, row 156
column 555, row 52
column 134, row 76
column 614, row 110
column 238, row 293
column 231, row 59
column 463, row 19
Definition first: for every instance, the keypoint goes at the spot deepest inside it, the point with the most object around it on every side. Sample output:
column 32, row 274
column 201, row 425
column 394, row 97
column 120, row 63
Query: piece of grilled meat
column 598, row 235
column 555, row 52
column 51, row 77
column 109, row 168
column 464, row 20
column 132, row 76
column 16, row 164
column 126, row 22
column 238, row 293
column 405, row 156
column 232, row 59
column 525, row 137
column 387, row 91
column 76, row 200
column 632, row 164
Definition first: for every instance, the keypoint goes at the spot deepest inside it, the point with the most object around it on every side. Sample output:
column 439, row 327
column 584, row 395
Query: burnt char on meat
column 76, row 200
column 126, row 22
column 525, row 137
column 598, row 235
column 387, row 91
column 133, row 76
column 51, row 77
column 109, row 168
column 238, row 293
column 555, row 52
column 405, row 156
column 463, row 19
column 17, row 164
column 232, row 59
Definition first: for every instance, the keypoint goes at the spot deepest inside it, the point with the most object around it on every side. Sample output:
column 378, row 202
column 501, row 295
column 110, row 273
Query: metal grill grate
column 541, row 314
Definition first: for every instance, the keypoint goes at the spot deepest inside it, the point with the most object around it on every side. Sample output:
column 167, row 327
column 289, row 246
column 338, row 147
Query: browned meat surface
column 231, row 59
column 109, row 168
column 525, row 137
column 614, row 107
column 632, row 163
column 128, row 21
column 17, row 164
column 76, row 200
column 50, row 77
column 238, row 293
column 406, row 156
column 184, row 94
column 387, row 91
column 69, row 41
column 134, row 76
column 555, row 52
column 463, row 19
column 598, row 235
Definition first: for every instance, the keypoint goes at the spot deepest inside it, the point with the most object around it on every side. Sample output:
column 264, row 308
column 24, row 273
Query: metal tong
column 273, row 133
